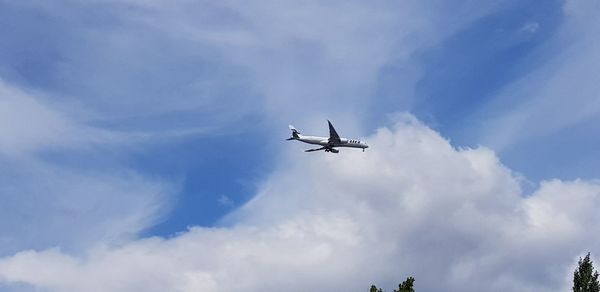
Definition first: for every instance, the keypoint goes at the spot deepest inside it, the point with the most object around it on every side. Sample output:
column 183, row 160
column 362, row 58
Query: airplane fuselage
column 328, row 143
column 324, row 141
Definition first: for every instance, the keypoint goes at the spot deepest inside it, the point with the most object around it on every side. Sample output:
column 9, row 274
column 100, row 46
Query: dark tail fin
column 295, row 133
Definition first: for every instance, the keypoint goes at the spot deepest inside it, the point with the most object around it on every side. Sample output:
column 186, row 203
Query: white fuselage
column 324, row 141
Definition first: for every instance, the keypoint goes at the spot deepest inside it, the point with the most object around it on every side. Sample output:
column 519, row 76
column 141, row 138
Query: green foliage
column 406, row 286
column 585, row 279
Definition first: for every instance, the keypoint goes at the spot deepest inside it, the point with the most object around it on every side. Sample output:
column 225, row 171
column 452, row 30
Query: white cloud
column 530, row 27
column 561, row 92
column 411, row 205
column 207, row 64
column 64, row 201
column 215, row 62
column 29, row 125
column 26, row 124
column 223, row 61
column 226, row 201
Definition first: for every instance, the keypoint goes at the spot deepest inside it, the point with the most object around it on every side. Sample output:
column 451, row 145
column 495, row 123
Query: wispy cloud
column 147, row 60
column 25, row 124
column 65, row 202
column 530, row 27
column 561, row 92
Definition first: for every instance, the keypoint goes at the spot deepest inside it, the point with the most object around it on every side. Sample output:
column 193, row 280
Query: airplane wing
column 316, row 149
column 333, row 135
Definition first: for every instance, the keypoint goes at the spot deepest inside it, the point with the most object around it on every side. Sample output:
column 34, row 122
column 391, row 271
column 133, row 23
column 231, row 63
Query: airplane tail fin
column 295, row 133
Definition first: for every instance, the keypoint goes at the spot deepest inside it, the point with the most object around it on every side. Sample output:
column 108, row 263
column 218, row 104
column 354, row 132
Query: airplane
column 328, row 143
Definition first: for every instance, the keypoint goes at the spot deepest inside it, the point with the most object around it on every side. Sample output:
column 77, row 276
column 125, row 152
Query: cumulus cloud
column 456, row 219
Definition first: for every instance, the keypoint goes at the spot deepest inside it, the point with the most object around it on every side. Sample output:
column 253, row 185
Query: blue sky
column 131, row 120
